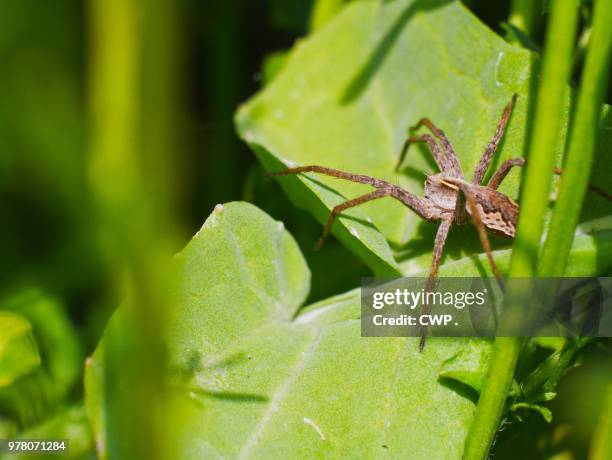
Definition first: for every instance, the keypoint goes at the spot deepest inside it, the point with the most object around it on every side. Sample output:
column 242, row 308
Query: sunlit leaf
column 348, row 94
column 259, row 381
column 255, row 375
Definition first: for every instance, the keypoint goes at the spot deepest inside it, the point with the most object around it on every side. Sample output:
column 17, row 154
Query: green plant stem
column 550, row 98
column 132, row 102
column 523, row 15
column 579, row 157
column 534, row 201
column 493, row 397
column 114, row 112
column 548, row 374
column 322, row 12
column 113, row 169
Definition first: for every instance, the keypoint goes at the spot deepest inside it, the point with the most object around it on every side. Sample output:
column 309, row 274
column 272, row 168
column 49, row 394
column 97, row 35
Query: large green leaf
column 255, row 379
column 259, row 381
column 348, row 94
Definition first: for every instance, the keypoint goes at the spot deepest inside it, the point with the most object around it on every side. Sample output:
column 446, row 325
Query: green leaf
column 543, row 411
column 468, row 368
column 34, row 396
column 257, row 380
column 258, row 376
column 348, row 94
column 323, row 11
column 544, row 379
column 591, row 254
column 272, row 64
column 18, row 352
column 70, row 424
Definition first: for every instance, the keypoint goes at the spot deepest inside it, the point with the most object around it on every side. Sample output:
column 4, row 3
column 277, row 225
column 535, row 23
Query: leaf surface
column 36, row 394
column 18, row 351
column 348, row 95
column 258, row 381
column 256, row 376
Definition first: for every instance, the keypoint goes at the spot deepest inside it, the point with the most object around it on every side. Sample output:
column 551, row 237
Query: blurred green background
column 48, row 218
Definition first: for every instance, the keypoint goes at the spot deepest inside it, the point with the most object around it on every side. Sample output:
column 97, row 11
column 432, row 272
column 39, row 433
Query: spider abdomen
column 498, row 212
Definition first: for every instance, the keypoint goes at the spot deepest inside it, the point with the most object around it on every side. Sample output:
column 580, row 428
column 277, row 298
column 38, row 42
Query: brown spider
column 488, row 209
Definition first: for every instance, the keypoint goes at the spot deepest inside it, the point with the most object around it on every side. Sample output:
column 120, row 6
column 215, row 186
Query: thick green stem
column 493, row 397
column 545, row 137
column 534, row 201
column 579, row 157
column 114, row 43
column 132, row 83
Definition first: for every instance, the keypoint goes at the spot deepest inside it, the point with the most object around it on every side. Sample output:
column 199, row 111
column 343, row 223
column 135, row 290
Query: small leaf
column 71, row 425
column 544, row 379
column 468, row 367
column 18, row 351
column 34, row 396
column 543, row 411
column 543, row 397
column 552, row 343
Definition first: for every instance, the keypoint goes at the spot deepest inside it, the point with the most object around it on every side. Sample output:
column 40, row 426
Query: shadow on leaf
column 361, row 81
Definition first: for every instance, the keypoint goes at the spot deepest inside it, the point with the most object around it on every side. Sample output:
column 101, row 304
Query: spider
column 448, row 196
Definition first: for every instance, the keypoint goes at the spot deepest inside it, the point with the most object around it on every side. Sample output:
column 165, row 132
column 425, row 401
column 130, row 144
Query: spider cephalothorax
column 498, row 212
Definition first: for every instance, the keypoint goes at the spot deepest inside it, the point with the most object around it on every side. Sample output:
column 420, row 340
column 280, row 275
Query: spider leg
column 503, row 171
column 507, row 165
column 441, row 236
column 485, row 161
column 419, row 205
column 360, row 178
column 454, row 168
column 422, row 206
column 482, row 231
column 376, row 194
column 433, row 148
